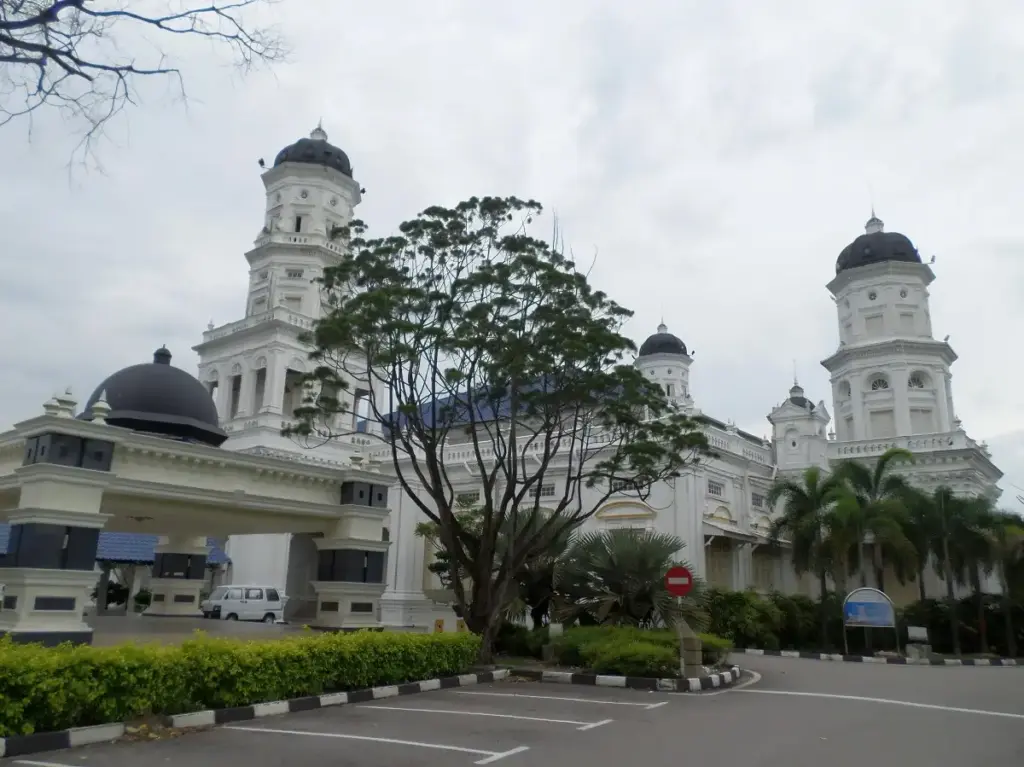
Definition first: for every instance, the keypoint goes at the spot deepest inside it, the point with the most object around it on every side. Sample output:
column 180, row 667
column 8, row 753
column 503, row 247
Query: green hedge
column 781, row 622
column 631, row 651
column 45, row 689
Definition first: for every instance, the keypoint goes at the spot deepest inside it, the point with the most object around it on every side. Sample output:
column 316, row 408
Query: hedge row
column 782, row 622
column 613, row 649
column 45, row 690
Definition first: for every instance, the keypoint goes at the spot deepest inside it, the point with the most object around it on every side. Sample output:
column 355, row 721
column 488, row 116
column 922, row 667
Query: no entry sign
column 678, row 581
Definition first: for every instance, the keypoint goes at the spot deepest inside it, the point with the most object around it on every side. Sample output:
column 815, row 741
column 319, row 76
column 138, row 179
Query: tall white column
column 273, row 395
column 901, row 401
column 404, row 603
column 941, row 382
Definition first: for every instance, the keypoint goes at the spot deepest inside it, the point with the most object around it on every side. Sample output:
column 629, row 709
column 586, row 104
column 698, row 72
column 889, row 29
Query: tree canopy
column 84, row 58
column 484, row 356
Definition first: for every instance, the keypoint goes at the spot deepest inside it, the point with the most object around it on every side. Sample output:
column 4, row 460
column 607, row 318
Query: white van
column 244, row 603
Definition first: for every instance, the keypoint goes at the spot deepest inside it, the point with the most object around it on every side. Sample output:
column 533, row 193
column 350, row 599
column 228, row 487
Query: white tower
column 664, row 359
column 798, row 432
column 253, row 366
column 890, row 377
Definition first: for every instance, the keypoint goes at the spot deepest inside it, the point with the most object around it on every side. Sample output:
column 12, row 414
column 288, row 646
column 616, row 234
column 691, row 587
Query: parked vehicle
column 244, row 603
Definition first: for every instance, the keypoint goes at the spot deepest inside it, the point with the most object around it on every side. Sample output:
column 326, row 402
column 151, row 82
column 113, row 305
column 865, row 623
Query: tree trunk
column 1011, row 636
column 920, row 583
column 822, row 599
column 979, row 599
column 879, row 562
column 537, row 614
column 954, row 619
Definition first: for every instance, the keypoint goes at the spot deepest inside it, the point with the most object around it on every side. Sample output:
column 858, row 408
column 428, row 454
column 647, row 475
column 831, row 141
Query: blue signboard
column 869, row 607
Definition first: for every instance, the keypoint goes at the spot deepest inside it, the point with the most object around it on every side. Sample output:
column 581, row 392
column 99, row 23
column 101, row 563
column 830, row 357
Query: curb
column 693, row 684
column 885, row 659
column 24, row 745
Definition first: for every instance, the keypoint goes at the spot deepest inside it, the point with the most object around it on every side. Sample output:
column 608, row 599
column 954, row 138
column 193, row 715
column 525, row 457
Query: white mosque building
column 891, row 387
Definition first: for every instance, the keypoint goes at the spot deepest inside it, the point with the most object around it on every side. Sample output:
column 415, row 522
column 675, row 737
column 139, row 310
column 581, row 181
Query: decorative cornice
column 880, row 273
column 889, row 347
column 235, row 499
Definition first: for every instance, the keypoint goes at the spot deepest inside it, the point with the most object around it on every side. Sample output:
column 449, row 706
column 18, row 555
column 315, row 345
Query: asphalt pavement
column 789, row 713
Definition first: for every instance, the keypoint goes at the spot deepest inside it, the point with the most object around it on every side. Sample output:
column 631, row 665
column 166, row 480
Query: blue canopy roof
column 130, row 547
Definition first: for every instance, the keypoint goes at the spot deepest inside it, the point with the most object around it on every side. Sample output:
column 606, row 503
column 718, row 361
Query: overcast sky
column 715, row 155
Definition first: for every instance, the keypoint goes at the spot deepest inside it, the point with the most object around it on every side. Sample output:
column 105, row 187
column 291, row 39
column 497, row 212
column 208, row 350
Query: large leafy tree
column 484, row 350
column 534, row 581
column 874, row 503
column 805, row 503
column 87, row 58
column 617, row 577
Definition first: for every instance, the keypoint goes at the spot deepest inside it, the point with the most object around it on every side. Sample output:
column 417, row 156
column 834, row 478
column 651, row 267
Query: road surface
column 791, row 713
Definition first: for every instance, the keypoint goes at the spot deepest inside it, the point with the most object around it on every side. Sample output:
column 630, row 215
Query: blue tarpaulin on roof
column 130, row 547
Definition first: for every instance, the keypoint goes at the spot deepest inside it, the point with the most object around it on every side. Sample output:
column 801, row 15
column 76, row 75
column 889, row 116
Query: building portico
column 65, row 477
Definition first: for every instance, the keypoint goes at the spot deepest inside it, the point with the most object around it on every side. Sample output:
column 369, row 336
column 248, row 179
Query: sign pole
column 679, row 583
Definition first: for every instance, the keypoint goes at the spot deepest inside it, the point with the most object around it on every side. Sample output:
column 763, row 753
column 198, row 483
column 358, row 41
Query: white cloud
column 716, row 156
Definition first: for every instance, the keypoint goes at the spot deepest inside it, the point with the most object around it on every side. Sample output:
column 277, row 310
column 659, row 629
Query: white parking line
column 489, row 756
column 581, row 725
column 888, row 701
column 40, row 764
column 553, row 697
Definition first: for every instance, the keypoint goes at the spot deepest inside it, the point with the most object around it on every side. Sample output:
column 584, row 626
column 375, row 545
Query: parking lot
column 507, row 722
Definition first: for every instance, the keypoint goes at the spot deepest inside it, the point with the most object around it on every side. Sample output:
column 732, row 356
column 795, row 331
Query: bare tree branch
column 84, row 57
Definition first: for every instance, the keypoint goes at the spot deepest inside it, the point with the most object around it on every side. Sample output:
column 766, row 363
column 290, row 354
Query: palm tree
column 920, row 529
column 876, row 504
column 956, row 521
column 802, row 522
column 1007, row 542
column 617, row 577
column 975, row 555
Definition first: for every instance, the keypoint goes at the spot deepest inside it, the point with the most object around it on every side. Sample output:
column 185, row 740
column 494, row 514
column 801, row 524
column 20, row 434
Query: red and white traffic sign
column 678, row 581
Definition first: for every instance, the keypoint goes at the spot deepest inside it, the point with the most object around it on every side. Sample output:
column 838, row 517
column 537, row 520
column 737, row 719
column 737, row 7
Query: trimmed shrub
column 46, row 689
column 581, row 647
column 632, row 658
column 747, row 618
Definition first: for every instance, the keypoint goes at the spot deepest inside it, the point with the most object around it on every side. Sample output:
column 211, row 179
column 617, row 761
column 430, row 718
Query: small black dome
column 315, row 150
column 796, row 396
column 662, row 342
column 877, row 246
column 159, row 399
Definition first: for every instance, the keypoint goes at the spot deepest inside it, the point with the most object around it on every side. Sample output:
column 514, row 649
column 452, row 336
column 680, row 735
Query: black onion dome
column 159, row 399
column 796, row 396
column 662, row 342
column 315, row 150
column 877, row 246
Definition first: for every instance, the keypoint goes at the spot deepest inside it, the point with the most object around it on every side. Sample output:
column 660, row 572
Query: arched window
column 879, row 383
column 917, row 381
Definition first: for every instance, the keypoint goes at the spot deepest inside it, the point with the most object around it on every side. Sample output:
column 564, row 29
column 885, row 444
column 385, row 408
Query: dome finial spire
column 318, row 133
column 874, row 223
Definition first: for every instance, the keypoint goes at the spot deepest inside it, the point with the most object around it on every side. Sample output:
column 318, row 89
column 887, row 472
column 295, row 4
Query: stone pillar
column 103, row 589
column 179, row 572
column 350, row 567
column 50, row 566
column 404, row 599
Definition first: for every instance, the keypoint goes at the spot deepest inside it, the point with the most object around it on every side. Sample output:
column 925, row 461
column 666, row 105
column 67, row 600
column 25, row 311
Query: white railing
column 921, row 443
column 277, row 314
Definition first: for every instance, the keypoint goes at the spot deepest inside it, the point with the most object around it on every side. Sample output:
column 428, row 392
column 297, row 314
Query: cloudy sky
column 715, row 155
